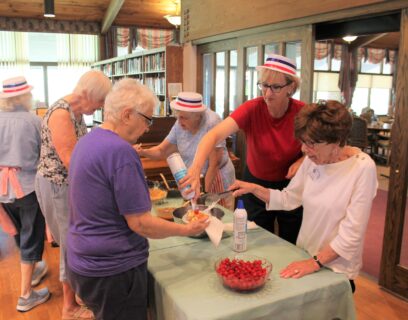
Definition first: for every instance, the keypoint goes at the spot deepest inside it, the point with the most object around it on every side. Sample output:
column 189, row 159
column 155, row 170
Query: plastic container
column 179, row 170
column 240, row 228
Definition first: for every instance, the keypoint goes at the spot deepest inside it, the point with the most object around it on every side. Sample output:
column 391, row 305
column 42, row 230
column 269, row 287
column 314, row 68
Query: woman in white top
column 336, row 185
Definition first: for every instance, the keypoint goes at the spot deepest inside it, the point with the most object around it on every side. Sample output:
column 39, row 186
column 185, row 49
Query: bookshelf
column 155, row 68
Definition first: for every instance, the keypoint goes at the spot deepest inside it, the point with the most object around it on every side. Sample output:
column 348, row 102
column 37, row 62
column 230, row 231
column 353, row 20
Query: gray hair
column 129, row 93
column 95, row 83
column 264, row 74
column 12, row 103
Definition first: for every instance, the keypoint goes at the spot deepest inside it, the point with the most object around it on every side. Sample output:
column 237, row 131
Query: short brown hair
column 326, row 121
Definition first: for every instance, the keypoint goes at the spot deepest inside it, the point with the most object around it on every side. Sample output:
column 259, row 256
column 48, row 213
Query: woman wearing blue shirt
column 194, row 120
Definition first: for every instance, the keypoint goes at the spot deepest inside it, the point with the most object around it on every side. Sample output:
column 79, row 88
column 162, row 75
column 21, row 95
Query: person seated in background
column 368, row 115
column 110, row 217
column 194, row 120
column 336, row 185
column 272, row 152
column 20, row 151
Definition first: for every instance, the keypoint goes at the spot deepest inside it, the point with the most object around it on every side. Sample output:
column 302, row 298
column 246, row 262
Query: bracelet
column 316, row 259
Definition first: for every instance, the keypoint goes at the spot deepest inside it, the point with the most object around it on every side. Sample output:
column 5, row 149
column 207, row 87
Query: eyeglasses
column 311, row 144
column 149, row 121
column 275, row 88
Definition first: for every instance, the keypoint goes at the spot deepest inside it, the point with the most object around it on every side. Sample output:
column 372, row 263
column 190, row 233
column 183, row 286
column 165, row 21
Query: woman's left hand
column 241, row 187
column 298, row 269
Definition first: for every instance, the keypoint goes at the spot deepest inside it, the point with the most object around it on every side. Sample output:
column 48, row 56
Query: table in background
column 184, row 285
column 379, row 137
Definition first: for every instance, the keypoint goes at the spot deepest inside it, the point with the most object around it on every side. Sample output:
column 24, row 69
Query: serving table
column 184, row 285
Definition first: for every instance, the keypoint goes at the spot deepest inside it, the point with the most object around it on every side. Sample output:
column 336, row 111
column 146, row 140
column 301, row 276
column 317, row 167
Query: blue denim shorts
column 29, row 221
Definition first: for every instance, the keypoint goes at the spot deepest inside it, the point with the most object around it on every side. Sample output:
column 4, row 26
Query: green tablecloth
column 184, row 284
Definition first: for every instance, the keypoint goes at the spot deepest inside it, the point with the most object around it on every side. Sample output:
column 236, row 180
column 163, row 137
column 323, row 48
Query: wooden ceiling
column 142, row 13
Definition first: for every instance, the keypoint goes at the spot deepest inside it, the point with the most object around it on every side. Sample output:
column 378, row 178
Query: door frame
column 393, row 276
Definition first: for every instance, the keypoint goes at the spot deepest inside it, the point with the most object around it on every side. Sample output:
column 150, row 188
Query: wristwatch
column 318, row 262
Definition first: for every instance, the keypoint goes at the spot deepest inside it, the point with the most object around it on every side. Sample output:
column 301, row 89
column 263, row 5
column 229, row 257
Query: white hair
column 12, row 103
column 95, row 83
column 129, row 93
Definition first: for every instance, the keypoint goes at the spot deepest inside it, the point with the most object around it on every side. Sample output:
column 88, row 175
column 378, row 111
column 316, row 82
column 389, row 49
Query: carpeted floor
column 374, row 236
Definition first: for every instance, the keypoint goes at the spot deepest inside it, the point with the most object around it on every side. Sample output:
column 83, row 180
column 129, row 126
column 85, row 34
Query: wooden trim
column 307, row 68
column 230, row 44
column 213, row 80
column 226, row 84
column 111, row 13
column 392, row 275
column 330, row 16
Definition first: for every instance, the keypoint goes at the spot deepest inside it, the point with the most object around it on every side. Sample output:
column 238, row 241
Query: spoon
column 165, row 181
column 209, row 208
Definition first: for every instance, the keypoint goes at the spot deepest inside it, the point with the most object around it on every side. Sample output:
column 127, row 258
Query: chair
column 358, row 134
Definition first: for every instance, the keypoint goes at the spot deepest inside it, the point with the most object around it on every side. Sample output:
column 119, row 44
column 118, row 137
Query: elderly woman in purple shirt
column 110, row 220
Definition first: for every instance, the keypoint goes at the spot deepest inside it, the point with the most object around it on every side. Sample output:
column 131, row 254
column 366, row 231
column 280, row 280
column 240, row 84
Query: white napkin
column 215, row 230
column 230, row 227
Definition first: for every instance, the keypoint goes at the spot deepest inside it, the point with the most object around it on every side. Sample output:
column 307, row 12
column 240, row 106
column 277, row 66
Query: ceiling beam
column 363, row 41
column 111, row 13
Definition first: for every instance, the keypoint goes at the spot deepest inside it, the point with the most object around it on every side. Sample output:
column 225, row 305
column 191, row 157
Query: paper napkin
column 229, row 227
column 215, row 230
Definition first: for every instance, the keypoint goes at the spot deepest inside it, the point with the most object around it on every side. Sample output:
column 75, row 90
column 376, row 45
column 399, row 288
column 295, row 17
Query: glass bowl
column 242, row 272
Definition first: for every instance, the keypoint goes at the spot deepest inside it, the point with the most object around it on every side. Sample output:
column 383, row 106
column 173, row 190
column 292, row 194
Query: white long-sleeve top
column 336, row 201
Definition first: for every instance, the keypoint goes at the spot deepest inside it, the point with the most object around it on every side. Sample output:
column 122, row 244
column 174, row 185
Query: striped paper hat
column 279, row 63
column 14, row 87
column 188, row 101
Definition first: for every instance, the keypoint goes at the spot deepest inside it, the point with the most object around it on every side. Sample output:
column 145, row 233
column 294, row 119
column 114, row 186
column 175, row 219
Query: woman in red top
column 273, row 152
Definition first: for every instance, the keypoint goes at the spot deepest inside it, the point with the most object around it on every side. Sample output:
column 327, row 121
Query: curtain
column 348, row 74
column 322, row 50
column 77, row 50
column 154, row 38
column 13, row 53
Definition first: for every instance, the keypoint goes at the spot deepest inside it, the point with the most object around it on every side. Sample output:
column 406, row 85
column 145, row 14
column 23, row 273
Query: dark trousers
column 118, row 297
column 29, row 221
column 289, row 222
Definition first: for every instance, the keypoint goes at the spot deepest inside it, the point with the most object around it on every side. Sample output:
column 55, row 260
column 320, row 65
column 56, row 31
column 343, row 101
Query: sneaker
column 36, row 297
column 40, row 270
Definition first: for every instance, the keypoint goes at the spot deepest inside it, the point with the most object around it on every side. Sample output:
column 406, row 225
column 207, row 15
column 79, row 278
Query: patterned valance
column 373, row 55
column 48, row 25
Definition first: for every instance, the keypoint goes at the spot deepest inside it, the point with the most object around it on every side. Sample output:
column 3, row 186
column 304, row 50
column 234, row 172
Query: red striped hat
column 188, row 101
column 279, row 63
column 14, row 87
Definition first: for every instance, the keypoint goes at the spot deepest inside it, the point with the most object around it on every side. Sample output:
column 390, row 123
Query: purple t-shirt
column 106, row 181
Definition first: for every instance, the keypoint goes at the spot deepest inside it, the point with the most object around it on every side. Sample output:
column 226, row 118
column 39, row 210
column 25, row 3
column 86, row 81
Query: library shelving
column 155, row 68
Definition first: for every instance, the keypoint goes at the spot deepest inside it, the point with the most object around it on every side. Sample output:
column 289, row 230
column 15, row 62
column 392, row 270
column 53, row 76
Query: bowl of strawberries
column 243, row 272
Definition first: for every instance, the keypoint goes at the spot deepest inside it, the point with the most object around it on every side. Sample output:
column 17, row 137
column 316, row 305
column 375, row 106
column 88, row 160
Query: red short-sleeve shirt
column 271, row 143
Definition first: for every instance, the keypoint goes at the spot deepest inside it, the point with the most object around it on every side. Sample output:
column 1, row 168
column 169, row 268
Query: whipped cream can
column 179, row 170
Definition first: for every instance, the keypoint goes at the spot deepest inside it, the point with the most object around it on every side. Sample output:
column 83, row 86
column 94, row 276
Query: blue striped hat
column 188, row 101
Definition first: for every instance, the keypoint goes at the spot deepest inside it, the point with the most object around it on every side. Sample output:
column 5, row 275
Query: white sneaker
column 40, row 270
column 36, row 297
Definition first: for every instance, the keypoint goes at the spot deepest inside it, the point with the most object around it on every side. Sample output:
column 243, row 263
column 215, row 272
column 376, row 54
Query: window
column 233, row 99
column 251, row 76
column 208, row 76
column 220, row 82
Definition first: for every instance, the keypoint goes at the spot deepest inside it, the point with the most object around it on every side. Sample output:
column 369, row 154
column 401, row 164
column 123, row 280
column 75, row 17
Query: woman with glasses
column 63, row 125
column 194, row 120
column 336, row 185
column 107, row 249
column 273, row 153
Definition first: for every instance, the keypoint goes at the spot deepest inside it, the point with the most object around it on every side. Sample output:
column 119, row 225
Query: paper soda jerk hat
column 188, row 101
column 279, row 63
column 14, row 87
